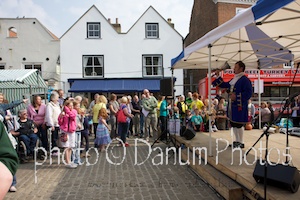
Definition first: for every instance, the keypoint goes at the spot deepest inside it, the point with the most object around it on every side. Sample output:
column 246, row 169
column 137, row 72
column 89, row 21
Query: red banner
column 278, row 76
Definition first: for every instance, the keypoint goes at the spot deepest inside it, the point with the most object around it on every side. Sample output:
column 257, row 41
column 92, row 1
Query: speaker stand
column 167, row 136
column 265, row 133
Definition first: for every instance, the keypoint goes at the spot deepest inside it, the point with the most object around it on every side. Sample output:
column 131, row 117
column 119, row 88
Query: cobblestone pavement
column 119, row 173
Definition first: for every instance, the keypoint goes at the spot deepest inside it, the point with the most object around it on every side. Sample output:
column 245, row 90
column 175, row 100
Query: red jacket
column 67, row 120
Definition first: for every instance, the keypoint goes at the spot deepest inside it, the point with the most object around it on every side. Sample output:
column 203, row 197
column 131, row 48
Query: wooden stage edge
column 230, row 172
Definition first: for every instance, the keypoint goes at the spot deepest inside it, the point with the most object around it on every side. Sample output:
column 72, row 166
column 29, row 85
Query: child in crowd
column 205, row 118
column 85, row 132
column 79, row 127
column 102, row 133
column 176, row 112
column 67, row 124
column 197, row 120
column 188, row 119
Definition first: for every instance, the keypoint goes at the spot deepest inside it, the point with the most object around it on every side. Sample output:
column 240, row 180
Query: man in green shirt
column 149, row 106
column 8, row 161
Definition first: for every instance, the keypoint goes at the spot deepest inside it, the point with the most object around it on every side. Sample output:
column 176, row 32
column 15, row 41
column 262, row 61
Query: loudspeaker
column 166, row 87
column 189, row 133
column 281, row 176
column 182, row 130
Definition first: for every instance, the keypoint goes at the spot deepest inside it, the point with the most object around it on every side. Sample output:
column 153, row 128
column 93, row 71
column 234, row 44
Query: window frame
column 33, row 66
column 84, row 65
column 146, row 31
column 160, row 67
column 12, row 32
column 2, row 65
column 88, row 30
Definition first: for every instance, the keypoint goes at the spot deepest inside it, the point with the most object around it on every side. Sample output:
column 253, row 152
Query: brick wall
column 206, row 15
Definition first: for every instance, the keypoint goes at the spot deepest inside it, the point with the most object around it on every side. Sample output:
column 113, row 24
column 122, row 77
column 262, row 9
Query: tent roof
column 229, row 42
column 21, row 78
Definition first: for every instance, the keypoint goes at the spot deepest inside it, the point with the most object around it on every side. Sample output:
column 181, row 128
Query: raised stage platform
column 230, row 173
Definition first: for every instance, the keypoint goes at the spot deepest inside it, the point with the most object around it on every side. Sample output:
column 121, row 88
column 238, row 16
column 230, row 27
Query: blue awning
column 115, row 85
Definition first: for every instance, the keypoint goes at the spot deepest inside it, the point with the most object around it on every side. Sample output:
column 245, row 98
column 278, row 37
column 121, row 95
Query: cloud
column 77, row 11
column 59, row 15
column 28, row 9
column 129, row 11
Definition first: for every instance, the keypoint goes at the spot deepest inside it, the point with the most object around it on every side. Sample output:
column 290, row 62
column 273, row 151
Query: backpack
column 121, row 117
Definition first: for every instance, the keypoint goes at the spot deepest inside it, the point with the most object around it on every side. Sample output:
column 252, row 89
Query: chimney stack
column 117, row 26
column 170, row 22
column 109, row 20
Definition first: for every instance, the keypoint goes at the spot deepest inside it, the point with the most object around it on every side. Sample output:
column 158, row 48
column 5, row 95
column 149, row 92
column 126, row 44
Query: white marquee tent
column 276, row 21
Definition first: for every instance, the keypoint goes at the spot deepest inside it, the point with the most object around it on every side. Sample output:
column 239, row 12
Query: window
column 93, row 30
column 2, row 66
column 152, row 30
column 152, row 65
column 12, row 32
column 93, row 66
column 33, row 66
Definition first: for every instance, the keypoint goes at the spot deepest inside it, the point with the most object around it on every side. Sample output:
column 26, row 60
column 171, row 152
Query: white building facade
column 27, row 44
column 97, row 57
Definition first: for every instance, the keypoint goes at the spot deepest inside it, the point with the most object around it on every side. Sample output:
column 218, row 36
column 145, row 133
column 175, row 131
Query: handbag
column 63, row 137
column 121, row 117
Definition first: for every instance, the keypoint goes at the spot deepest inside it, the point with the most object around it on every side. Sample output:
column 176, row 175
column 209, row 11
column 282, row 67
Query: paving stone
column 102, row 180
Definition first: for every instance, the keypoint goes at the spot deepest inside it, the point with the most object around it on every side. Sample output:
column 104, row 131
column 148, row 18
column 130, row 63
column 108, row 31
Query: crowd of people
column 72, row 121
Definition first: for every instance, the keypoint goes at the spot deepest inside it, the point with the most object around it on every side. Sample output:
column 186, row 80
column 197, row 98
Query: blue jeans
column 123, row 130
column 76, row 155
column 14, row 182
column 30, row 142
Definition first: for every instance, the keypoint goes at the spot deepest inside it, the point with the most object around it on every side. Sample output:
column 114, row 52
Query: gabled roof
column 93, row 6
column 49, row 32
column 150, row 7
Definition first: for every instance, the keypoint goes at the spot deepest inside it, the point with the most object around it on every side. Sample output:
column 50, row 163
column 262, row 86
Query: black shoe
column 241, row 145
column 234, row 144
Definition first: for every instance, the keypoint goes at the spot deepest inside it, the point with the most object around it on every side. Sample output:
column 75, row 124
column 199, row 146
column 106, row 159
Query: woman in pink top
column 36, row 112
column 67, row 125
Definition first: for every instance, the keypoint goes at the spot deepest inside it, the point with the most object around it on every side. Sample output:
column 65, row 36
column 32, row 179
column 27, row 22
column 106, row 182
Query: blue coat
column 239, row 108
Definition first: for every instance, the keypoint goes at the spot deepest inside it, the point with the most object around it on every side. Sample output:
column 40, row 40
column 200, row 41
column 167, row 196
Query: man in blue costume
column 240, row 91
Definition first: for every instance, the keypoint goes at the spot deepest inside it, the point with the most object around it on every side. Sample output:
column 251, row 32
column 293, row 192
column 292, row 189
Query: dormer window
column 152, row 30
column 12, row 32
column 93, row 30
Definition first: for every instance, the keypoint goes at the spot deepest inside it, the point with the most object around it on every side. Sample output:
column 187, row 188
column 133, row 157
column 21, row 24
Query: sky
column 59, row 15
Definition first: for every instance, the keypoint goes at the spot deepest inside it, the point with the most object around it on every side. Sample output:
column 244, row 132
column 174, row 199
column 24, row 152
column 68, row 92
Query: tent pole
column 209, row 98
column 259, row 100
